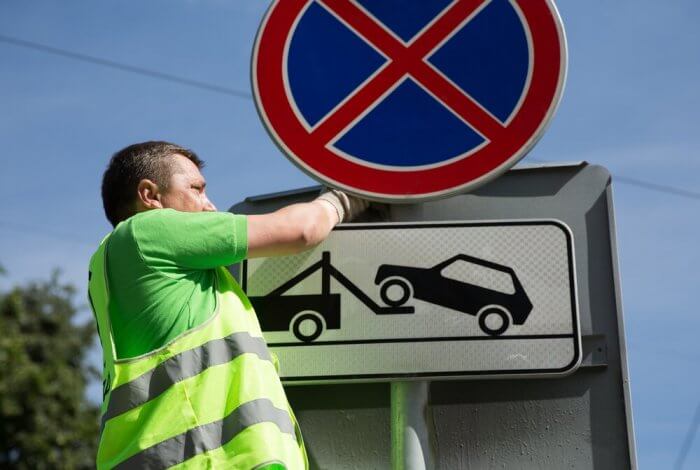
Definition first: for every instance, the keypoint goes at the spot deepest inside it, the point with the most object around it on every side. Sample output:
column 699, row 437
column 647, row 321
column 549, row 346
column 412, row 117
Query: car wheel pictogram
column 307, row 326
column 402, row 285
column 487, row 317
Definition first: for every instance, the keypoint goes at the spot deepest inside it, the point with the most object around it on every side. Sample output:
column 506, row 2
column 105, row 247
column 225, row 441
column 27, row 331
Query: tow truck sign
column 377, row 301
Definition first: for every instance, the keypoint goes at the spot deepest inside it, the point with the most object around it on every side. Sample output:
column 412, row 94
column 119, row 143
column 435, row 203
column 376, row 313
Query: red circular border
column 497, row 156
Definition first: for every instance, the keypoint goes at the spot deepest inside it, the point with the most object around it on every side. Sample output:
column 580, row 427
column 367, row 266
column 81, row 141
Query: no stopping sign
column 407, row 100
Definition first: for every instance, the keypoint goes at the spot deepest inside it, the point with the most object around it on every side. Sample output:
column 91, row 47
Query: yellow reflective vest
column 211, row 398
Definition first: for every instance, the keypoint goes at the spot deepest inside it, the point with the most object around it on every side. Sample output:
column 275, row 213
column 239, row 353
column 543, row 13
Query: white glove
column 347, row 206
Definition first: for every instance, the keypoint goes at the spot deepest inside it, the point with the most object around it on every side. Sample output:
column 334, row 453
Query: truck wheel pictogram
column 494, row 320
column 389, row 288
column 307, row 326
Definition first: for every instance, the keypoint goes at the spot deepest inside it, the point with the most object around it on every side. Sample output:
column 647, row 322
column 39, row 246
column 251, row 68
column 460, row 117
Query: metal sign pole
column 410, row 433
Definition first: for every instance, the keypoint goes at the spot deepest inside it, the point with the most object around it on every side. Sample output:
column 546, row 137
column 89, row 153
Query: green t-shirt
column 160, row 267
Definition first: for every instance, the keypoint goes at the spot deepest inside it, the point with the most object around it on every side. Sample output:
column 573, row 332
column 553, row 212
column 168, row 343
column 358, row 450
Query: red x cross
column 406, row 60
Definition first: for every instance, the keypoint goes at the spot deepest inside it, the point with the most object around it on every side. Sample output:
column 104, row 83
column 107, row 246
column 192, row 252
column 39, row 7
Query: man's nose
column 208, row 205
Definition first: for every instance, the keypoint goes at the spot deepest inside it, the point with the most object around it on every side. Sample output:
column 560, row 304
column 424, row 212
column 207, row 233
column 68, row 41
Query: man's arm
column 298, row 227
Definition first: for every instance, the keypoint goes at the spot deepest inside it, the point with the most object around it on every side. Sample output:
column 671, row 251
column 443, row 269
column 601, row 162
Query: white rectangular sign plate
column 429, row 300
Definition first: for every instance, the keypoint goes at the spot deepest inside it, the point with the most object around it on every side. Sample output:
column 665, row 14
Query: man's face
column 186, row 189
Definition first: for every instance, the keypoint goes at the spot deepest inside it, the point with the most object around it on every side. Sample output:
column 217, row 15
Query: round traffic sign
column 408, row 100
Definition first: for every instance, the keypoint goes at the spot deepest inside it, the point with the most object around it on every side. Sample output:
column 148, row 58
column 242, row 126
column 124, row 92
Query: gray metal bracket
column 595, row 351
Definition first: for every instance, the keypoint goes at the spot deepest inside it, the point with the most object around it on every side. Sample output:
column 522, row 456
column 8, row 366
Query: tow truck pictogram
column 308, row 315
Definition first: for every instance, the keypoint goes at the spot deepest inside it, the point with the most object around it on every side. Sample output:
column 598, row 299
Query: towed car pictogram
column 494, row 295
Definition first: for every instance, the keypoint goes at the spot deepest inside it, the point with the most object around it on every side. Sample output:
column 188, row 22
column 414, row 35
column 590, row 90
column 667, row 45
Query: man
column 188, row 379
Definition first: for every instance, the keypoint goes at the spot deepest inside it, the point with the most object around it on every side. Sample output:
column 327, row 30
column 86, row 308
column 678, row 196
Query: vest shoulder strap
column 98, row 293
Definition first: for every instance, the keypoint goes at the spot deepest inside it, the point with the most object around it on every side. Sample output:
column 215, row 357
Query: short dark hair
column 147, row 160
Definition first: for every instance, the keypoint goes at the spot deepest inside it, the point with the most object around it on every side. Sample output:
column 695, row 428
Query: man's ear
column 149, row 195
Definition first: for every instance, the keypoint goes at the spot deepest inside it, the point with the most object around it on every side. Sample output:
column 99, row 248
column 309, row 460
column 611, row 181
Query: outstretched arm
column 298, row 227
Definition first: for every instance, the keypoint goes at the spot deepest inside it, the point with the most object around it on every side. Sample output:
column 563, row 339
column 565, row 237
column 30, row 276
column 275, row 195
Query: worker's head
column 153, row 175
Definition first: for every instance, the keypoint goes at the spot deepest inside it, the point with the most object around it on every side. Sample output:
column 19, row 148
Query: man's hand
column 299, row 227
column 348, row 207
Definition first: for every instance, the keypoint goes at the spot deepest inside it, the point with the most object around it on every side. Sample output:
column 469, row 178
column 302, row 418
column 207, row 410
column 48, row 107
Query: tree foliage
column 45, row 421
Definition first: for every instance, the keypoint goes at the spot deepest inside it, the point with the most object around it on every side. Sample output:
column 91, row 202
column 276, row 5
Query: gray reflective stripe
column 272, row 465
column 210, row 436
column 180, row 367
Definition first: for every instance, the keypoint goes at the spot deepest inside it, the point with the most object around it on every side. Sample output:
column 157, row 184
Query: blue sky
column 631, row 104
